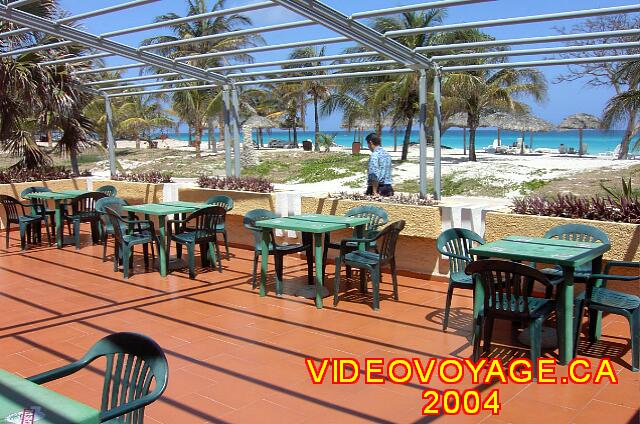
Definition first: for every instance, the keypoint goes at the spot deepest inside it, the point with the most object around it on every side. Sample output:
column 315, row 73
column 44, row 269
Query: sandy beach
column 505, row 175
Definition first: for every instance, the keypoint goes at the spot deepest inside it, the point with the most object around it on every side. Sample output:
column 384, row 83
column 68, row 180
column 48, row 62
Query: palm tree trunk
column 73, row 157
column 628, row 132
column 407, row 139
column 50, row 138
column 190, row 135
column 472, row 144
column 395, row 139
column 464, row 141
column 316, row 143
column 137, row 140
column 295, row 131
column 198, row 140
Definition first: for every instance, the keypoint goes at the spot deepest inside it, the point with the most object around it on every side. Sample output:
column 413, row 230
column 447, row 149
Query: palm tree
column 402, row 91
column 485, row 91
column 317, row 89
column 143, row 115
column 624, row 107
column 191, row 105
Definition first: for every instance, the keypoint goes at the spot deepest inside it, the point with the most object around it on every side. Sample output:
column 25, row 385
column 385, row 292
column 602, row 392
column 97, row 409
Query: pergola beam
column 356, row 31
column 73, row 18
column 517, row 20
column 81, row 37
column 529, row 52
column 540, row 63
column 414, row 7
column 532, row 40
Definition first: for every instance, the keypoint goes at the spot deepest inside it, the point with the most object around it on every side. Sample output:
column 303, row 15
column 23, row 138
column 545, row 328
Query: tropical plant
column 624, row 106
column 484, row 91
column 318, row 89
column 197, row 107
column 143, row 116
column 626, row 192
column 326, row 141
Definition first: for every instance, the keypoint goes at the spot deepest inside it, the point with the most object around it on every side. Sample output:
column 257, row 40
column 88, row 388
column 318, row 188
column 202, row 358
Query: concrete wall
column 133, row 192
column 624, row 238
column 15, row 189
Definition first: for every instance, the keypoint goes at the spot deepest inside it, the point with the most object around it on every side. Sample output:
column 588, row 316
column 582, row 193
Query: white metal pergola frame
column 350, row 29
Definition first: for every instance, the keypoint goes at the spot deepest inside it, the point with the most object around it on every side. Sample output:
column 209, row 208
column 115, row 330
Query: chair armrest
column 455, row 256
column 614, row 277
column 344, row 242
column 57, row 373
column 621, row 264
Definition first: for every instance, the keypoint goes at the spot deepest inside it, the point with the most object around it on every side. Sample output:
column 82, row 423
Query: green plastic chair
column 455, row 243
column 371, row 261
column 109, row 190
column 199, row 228
column 279, row 251
column 573, row 232
column 83, row 209
column 506, row 286
column 133, row 363
column 142, row 232
column 106, row 227
column 596, row 299
column 227, row 203
column 28, row 224
column 40, row 207
column 377, row 217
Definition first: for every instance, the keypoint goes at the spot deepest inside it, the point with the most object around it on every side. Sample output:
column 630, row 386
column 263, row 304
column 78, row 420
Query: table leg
column 595, row 317
column 317, row 241
column 266, row 232
column 565, row 316
column 163, row 255
column 58, row 220
column 362, row 247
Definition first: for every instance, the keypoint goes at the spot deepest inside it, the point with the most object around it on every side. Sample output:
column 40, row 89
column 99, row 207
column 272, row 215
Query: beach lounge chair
column 493, row 148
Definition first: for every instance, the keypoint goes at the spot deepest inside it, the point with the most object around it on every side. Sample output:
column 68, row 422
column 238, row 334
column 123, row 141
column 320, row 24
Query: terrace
column 237, row 353
column 236, row 357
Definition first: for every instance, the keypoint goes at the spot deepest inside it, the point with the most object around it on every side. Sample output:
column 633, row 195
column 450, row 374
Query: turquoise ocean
column 597, row 141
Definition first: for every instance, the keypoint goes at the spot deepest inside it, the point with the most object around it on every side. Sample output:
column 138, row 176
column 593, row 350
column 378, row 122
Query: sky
column 563, row 99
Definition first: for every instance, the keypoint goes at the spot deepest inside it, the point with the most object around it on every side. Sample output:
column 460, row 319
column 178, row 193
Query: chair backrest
column 250, row 219
column 113, row 216
column 506, row 286
column 86, row 203
column 113, row 203
column 578, row 232
column 11, row 205
column 35, row 189
column 377, row 216
column 387, row 240
column 455, row 244
column 204, row 221
column 133, row 362
column 223, row 201
column 109, row 190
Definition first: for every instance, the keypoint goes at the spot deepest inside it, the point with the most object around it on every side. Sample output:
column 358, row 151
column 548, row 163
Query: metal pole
column 226, row 106
column 422, row 94
column 437, row 121
column 235, row 108
column 111, row 145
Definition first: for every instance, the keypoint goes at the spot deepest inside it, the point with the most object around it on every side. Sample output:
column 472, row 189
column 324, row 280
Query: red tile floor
column 235, row 357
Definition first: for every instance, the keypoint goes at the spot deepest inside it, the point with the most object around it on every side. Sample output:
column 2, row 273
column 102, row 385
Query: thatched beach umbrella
column 459, row 120
column 533, row 124
column 259, row 122
column 580, row 122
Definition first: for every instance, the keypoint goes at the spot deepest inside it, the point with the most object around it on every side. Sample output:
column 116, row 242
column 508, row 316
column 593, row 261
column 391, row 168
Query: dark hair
column 373, row 139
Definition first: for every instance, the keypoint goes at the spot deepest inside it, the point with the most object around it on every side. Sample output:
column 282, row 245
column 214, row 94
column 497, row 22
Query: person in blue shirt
column 379, row 179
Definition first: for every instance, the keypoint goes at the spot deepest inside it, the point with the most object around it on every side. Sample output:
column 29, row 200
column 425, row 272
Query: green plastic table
column 162, row 210
column 58, row 197
column 315, row 224
column 566, row 254
column 18, row 394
